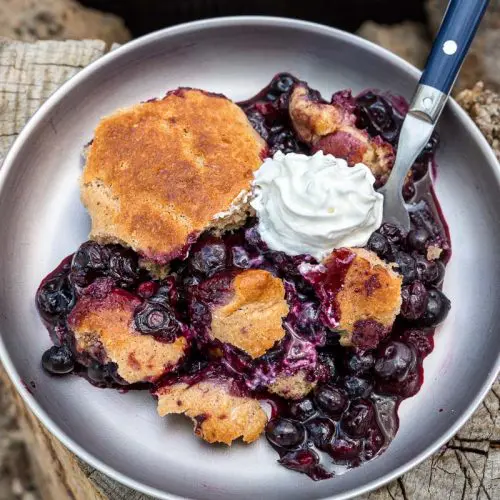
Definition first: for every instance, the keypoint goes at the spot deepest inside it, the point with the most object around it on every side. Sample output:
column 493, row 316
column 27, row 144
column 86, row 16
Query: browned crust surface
column 330, row 128
column 160, row 171
column 371, row 291
column 252, row 320
column 108, row 323
column 219, row 416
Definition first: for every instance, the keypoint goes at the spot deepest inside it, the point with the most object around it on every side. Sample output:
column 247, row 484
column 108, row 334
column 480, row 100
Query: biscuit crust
column 108, row 323
column 252, row 319
column 159, row 172
column 218, row 415
column 370, row 296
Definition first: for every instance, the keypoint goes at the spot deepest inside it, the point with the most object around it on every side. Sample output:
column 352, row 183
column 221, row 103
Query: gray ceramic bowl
column 42, row 221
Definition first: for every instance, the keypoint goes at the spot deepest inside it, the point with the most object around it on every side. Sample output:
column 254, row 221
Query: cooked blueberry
column 438, row 306
column 417, row 239
column 157, row 319
column 97, row 373
column 302, row 410
column 282, row 141
column 320, row 430
column 376, row 114
column 359, row 363
column 55, row 298
column 258, row 123
column 285, row 433
column 91, row 256
column 209, row 259
column 58, row 360
column 331, row 399
column 240, row 257
column 358, row 418
column 329, row 364
column 414, row 300
column 357, row 387
column 394, row 360
column 392, row 233
column 430, row 272
column 123, row 266
column 283, row 83
column 253, row 239
column 378, row 244
column 406, row 267
column 301, row 460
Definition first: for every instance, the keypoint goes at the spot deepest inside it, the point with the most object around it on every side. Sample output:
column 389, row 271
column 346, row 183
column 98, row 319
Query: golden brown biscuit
column 331, row 128
column 219, row 415
column 252, row 318
column 162, row 171
column 369, row 299
column 294, row 386
column 108, row 323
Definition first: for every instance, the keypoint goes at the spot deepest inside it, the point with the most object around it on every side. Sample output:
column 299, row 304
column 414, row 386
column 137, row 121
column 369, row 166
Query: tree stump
column 467, row 467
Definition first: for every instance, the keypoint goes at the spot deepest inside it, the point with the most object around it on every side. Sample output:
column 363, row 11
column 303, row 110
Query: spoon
column 450, row 47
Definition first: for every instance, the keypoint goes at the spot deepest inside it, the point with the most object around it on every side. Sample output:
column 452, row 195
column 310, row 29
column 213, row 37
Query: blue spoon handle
column 452, row 43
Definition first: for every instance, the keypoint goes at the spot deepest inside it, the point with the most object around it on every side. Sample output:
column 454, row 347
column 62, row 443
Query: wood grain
column 467, row 468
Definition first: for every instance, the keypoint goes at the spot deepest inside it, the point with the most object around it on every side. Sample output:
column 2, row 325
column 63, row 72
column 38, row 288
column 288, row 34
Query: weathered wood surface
column 467, row 468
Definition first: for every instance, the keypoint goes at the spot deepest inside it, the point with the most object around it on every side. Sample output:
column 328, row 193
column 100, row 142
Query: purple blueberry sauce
column 351, row 415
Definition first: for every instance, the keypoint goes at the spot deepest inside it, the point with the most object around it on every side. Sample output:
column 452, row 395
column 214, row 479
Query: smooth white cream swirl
column 313, row 204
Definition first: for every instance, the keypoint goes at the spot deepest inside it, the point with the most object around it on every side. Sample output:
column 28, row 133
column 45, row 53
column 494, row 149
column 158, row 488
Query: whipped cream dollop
column 313, row 204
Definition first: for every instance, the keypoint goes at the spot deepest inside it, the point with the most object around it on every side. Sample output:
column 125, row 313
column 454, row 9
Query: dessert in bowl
column 239, row 271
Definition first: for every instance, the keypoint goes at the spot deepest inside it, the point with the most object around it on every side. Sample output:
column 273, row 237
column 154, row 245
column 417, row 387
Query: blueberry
column 378, row 244
column 123, row 267
column 157, row 319
column 406, row 267
column 417, row 239
column 258, row 123
column 394, row 361
column 282, row 141
column 58, row 360
column 357, row 387
column 302, row 410
column 329, row 364
column 414, row 300
column 283, row 83
column 55, row 298
column 320, row 430
column 430, row 272
column 301, row 460
column 240, row 257
column 392, row 233
column 331, row 399
column 91, row 257
column 360, row 363
column 438, row 306
column 285, row 433
column 376, row 114
column 358, row 419
column 97, row 373
column 209, row 259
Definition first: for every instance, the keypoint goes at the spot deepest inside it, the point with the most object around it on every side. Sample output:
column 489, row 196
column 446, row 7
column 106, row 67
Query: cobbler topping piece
column 332, row 129
column 220, row 416
column 313, row 204
column 252, row 318
column 105, row 327
column 294, row 386
column 360, row 294
column 146, row 162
